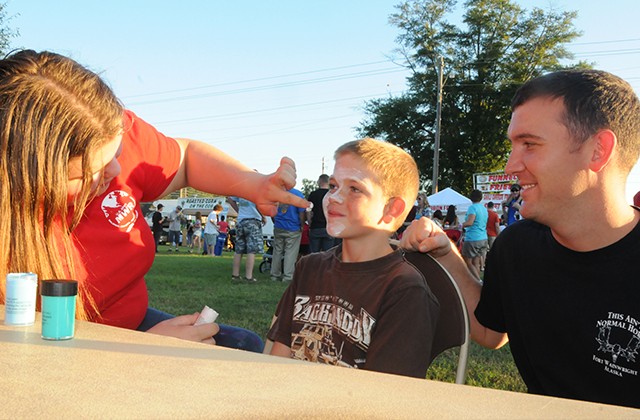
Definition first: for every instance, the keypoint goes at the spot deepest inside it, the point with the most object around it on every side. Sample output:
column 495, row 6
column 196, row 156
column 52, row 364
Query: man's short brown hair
column 593, row 100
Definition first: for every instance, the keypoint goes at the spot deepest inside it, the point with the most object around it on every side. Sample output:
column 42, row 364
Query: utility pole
column 436, row 144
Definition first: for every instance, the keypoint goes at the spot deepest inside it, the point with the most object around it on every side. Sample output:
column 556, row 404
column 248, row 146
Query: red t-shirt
column 113, row 238
column 223, row 227
column 491, row 223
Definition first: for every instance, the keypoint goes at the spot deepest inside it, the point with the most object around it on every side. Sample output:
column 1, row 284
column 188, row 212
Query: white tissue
column 207, row 316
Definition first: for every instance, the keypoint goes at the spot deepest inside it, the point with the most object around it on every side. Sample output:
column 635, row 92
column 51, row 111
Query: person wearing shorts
column 475, row 244
column 211, row 229
column 248, row 237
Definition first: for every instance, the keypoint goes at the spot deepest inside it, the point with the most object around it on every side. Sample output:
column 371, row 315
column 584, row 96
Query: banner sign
column 495, row 186
column 200, row 204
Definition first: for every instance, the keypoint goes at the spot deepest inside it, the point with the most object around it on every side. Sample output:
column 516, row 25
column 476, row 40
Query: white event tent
column 443, row 199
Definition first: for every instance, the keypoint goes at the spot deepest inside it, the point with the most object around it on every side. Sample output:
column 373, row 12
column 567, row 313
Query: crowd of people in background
column 297, row 232
column 303, row 231
column 475, row 235
column 191, row 231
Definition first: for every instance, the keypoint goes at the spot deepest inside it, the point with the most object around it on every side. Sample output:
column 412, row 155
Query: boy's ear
column 394, row 209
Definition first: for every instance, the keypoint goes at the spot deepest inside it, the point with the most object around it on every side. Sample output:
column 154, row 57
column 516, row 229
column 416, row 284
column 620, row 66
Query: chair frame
column 453, row 310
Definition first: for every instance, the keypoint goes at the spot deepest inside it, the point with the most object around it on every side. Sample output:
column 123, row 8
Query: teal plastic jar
column 58, row 308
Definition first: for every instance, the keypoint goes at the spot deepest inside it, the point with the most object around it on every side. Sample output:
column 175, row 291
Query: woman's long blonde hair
column 52, row 109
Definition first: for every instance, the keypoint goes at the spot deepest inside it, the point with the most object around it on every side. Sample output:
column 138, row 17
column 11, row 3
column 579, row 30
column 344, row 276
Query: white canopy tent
column 443, row 199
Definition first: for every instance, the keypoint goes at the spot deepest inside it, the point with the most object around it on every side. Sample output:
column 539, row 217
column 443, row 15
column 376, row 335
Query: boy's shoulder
column 317, row 257
column 393, row 266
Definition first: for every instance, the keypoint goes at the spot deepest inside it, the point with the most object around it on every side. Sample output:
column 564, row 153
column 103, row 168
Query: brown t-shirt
column 376, row 315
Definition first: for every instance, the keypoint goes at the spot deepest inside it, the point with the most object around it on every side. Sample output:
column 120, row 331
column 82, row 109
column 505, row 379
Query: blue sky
column 262, row 79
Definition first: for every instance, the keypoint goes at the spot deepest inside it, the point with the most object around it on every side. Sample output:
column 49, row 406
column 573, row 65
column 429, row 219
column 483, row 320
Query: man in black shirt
column 561, row 286
column 157, row 220
column 319, row 239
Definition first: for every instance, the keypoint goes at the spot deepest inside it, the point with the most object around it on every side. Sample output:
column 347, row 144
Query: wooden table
column 117, row 373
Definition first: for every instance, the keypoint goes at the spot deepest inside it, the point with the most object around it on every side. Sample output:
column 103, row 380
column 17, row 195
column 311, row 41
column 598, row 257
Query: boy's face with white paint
column 355, row 203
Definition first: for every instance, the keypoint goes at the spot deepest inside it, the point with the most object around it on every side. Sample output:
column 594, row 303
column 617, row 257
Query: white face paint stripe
column 333, row 228
column 344, row 177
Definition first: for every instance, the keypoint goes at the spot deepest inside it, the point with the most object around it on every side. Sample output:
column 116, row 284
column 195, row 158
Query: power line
column 608, row 52
column 606, row 42
column 274, row 86
column 258, row 111
column 316, row 80
column 331, row 78
column 289, row 129
column 260, row 79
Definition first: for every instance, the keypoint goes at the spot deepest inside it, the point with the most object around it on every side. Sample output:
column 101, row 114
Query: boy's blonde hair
column 396, row 171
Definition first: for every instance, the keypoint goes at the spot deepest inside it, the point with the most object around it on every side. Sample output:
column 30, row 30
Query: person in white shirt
column 211, row 229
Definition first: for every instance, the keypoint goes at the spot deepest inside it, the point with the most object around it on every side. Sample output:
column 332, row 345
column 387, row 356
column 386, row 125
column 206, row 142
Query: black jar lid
column 58, row 287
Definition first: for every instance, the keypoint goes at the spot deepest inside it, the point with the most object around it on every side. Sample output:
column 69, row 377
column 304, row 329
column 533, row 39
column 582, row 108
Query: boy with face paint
column 361, row 304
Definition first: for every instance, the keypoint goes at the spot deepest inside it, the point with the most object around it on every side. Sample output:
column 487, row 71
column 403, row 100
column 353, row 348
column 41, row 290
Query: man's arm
column 425, row 236
column 234, row 178
column 232, row 203
column 517, row 204
column 303, row 218
column 264, row 219
column 510, row 197
column 470, row 219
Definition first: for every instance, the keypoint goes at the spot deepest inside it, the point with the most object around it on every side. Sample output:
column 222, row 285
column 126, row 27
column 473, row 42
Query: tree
column 6, row 33
column 308, row 186
column 500, row 47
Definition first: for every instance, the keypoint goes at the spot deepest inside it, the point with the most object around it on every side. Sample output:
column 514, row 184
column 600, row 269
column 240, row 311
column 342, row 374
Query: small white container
column 20, row 300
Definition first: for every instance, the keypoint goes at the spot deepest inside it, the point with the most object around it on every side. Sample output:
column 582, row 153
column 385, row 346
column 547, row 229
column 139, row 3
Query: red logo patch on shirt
column 119, row 207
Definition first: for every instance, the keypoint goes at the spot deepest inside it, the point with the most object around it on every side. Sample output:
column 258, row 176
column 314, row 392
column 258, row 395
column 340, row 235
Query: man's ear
column 603, row 149
column 394, row 209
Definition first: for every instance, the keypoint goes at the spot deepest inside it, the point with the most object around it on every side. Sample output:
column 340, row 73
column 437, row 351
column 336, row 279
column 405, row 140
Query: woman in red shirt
column 73, row 171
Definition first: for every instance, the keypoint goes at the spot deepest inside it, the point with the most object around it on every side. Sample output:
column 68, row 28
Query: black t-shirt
column 318, row 220
column 573, row 318
column 376, row 315
column 155, row 219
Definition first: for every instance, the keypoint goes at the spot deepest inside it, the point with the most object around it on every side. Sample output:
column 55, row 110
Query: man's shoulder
column 297, row 192
column 526, row 225
column 319, row 192
column 524, row 228
column 479, row 207
column 393, row 265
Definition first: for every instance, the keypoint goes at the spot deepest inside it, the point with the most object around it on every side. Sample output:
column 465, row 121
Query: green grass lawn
column 183, row 283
